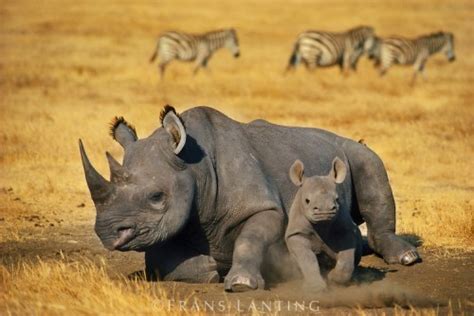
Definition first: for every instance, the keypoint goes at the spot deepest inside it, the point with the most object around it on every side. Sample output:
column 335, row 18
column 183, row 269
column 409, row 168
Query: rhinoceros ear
column 297, row 173
column 122, row 131
column 338, row 170
column 174, row 127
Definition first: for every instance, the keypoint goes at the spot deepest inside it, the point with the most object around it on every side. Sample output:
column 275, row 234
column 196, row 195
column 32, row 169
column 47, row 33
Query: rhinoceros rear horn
column 99, row 188
column 117, row 172
column 174, row 127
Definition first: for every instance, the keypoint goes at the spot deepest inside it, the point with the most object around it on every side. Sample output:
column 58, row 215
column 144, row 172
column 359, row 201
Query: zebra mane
column 116, row 121
column 220, row 31
column 433, row 35
column 168, row 108
column 361, row 27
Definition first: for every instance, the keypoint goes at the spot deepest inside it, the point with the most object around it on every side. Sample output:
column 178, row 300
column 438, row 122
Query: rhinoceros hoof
column 243, row 283
column 315, row 287
column 212, row 277
column 410, row 257
column 339, row 277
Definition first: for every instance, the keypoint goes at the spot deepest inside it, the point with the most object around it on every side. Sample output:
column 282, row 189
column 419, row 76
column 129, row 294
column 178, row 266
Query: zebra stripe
column 193, row 47
column 405, row 51
column 324, row 49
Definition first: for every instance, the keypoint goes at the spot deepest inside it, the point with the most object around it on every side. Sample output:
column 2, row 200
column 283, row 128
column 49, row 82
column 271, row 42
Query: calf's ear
column 338, row 170
column 122, row 131
column 297, row 173
column 174, row 127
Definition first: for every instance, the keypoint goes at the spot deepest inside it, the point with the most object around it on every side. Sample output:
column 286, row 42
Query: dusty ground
column 66, row 68
column 444, row 278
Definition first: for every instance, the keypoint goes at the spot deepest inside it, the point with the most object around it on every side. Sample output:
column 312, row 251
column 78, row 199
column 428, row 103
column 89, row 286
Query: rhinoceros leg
column 342, row 272
column 173, row 262
column 376, row 205
column 258, row 233
column 300, row 248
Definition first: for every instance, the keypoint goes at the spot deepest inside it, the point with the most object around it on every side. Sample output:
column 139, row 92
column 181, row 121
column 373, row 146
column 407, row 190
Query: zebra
column 323, row 49
column 404, row 51
column 193, row 47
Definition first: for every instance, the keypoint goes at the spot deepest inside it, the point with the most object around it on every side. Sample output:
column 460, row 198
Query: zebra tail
column 155, row 53
column 294, row 58
column 153, row 57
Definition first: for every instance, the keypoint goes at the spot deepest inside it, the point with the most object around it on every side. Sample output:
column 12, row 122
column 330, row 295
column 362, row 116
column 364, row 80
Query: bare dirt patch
column 441, row 279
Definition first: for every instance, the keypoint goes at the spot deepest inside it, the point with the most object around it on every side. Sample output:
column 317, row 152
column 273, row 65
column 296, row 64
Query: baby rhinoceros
column 317, row 224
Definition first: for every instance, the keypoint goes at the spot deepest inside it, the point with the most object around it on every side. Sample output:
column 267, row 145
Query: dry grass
column 67, row 68
column 81, row 287
column 84, row 288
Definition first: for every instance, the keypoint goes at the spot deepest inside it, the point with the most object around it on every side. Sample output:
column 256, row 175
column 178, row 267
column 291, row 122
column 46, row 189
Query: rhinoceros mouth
column 322, row 216
column 125, row 235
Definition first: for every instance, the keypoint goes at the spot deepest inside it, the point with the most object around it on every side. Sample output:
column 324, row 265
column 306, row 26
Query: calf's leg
column 300, row 248
column 342, row 272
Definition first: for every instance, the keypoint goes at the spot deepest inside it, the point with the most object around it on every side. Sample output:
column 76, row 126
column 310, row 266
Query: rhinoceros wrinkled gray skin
column 205, row 194
column 319, row 223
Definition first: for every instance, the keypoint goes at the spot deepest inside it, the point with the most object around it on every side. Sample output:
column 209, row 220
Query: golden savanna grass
column 77, row 287
column 68, row 67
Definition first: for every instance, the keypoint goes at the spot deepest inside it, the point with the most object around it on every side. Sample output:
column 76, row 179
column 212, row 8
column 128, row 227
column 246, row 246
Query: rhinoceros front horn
column 99, row 188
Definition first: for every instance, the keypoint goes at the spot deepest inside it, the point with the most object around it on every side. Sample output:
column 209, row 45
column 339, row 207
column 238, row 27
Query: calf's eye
column 307, row 201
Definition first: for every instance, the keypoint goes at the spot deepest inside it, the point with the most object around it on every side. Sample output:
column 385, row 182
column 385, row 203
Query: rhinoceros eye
column 307, row 201
column 157, row 200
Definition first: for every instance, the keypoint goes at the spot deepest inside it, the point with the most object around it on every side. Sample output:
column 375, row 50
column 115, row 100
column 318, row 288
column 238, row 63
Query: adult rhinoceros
column 205, row 193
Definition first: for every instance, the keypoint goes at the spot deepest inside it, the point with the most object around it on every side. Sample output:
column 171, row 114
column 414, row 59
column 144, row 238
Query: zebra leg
column 354, row 66
column 307, row 65
column 201, row 61
column 422, row 71
column 413, row 79
column 384, row 63
column 418, row 66
column 162, row 68
column 384, row 67
column 312, row 63
column 355, row 59
column 205, row 63
column 341, row 66
column 197, row 67
column 346, row 63
column 295, row 58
